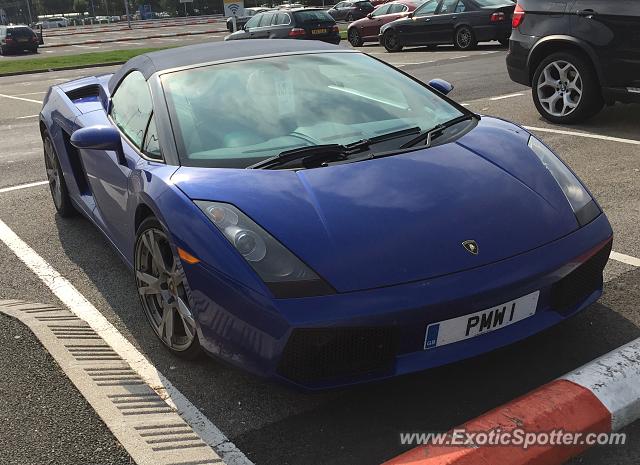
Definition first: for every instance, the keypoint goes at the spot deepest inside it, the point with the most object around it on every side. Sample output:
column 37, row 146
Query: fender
column 559, row 38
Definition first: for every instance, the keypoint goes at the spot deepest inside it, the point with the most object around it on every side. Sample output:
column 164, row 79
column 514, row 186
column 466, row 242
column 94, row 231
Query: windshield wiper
column 436, row 131
column 317, row 154
column 366, row 143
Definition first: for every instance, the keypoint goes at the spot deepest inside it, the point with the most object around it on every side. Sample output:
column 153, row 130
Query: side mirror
column 411, row 15
column 370, row 16
column 99, row 138
column 441, row 86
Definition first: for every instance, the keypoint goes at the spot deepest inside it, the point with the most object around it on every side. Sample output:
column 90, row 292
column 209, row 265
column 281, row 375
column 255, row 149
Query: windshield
column 313, row 16
column 236, row 114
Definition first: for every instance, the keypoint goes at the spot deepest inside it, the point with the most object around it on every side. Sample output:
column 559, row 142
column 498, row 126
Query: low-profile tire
column 391, row 41
column 57, row 183
column 163, row 290
column 565, row 89
column 349, row 18
column 354, row 37
column 464, row 38
column 2, row 51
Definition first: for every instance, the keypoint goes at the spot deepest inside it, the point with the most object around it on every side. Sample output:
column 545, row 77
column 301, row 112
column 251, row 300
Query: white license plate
column 485, row 321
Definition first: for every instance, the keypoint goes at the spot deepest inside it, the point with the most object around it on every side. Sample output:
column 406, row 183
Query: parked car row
column 462, row 23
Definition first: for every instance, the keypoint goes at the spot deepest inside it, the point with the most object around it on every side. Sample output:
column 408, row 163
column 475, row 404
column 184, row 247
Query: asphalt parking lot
column 273, row 424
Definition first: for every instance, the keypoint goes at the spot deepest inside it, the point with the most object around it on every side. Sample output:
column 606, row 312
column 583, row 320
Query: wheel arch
column 143, row 211
column 560, row 43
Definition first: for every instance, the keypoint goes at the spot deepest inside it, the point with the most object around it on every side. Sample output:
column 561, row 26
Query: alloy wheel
column 53, row 172
column 391, row 41
column 354, row 37
column 464, row 38
column 559, row 88
column 161, row 285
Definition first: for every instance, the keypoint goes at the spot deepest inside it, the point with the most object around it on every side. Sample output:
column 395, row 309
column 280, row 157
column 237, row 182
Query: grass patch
column 343, row 35
column 83, row 59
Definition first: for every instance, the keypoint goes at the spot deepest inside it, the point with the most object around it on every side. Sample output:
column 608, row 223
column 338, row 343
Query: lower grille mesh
column 321, row 353
column 577, row 285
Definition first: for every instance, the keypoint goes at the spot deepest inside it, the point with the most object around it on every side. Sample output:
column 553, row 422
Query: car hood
column 402, row 218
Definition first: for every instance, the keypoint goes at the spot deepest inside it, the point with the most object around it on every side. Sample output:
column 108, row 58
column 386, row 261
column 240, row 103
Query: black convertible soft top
column 150, row 63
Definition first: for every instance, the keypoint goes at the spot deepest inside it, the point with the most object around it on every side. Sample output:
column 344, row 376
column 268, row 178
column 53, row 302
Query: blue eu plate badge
column 431, row 340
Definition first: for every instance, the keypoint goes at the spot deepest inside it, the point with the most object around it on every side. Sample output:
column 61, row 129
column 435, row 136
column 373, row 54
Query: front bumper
column 310, row 342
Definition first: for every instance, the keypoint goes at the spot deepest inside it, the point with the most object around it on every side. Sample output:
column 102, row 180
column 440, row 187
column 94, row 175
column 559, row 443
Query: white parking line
column 21, row 98
column 25, row 117
column 502, row 97
column 82, row 308
column 22, row 186
column 584, row 134
column 31, row 93
column 628, row 259
column 85, row 46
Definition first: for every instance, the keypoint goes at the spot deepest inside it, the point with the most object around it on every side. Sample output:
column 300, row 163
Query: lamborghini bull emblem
column 471, row 246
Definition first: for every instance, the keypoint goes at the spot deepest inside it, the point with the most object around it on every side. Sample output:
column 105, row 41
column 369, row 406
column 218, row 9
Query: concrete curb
column 62, row 68
column 135, row 27
column 125, row 39
column 602, row 396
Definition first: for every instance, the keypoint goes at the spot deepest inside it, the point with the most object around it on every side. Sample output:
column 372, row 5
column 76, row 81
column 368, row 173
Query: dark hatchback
column 462, row 23
column 350, row 11
column 576, row 55
column 298, row 23
column 18, row 39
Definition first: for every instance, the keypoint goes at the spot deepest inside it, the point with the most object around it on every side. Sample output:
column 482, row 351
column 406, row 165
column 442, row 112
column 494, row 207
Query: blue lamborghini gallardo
column 285, row 212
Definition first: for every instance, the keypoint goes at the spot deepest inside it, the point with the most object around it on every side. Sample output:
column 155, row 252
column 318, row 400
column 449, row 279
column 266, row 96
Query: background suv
column 576, row 55
column 18, row 39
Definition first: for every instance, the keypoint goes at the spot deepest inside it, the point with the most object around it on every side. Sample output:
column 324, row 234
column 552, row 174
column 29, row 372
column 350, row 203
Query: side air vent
column 80, row 93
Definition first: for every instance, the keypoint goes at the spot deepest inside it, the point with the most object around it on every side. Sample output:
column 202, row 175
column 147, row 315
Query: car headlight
column 283, row 273
column 583, row 205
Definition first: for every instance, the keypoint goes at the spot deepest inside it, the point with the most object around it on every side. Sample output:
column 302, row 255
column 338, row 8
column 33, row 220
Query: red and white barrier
column 603, row 396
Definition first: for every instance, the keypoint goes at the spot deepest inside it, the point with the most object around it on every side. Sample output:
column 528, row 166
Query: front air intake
column 317, row 354
column 571, row 290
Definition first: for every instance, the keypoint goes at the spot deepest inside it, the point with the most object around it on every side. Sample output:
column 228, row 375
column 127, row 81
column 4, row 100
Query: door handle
column 588, row 13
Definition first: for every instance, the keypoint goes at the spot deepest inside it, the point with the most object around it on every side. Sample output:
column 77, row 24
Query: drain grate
column 151, row 431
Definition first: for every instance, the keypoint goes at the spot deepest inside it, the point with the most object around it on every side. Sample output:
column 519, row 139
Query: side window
column 427, row 8
column 151, row 146
column 448, row 7
column 397, row 8
column 339, row 5
column 266, row 19
column 283, row 19
column 131, row 107
column 460, row 7
column 253, row 22
column 383, row 10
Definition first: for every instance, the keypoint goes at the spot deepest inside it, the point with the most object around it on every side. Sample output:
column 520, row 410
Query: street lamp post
column 29, row 11
column 126, row 9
